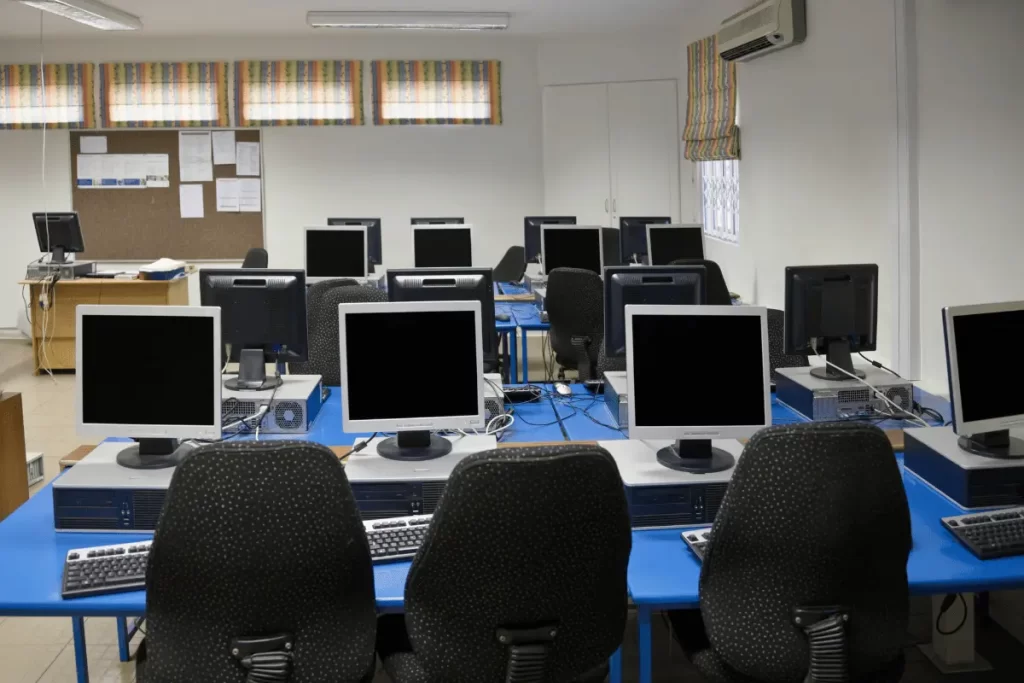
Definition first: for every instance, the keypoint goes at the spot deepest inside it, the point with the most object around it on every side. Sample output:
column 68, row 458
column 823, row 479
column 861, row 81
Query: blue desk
column 506, row 329
column 33, row 553
column 528, row 319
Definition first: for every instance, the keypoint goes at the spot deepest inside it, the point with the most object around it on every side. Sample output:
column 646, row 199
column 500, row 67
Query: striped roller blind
column 57, row 95
column 423, row 92
column 164, row 94
column 299, row 93
column 711, row 133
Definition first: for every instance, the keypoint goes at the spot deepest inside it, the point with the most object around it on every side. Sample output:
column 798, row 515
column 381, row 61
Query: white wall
column 971, row 153
column 817, row 180
column 490, row 175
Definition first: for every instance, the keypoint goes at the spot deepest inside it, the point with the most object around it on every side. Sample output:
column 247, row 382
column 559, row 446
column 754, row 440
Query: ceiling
column 288, row 18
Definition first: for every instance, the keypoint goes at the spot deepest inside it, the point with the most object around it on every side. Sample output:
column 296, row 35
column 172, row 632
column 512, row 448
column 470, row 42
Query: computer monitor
column 438, row 221
column 450, row 284
column 697, row 373
column 58, row 234
column 982, row 379
column 374, row 248
column 380, row 394
column 151, row 373
column 572, row 247
column 335, row 252
column 442, row 246
column 263, row 317
column 669, row 243
column 531, row 233
column 633, row 237
column 832, row 310
column 646, row 285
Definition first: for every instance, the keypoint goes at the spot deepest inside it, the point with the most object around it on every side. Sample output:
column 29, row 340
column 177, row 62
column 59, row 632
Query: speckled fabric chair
column 717, row 290
column 322, row 304
column 815, row 517
column 258, row 540
column 575, row 306
column 521, row 576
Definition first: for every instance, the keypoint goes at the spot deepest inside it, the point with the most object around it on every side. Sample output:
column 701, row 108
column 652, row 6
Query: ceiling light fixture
column 424, row 21
column 90, row 13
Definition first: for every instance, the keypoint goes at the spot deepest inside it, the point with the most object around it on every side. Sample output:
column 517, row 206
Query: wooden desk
column 13, row 477
column 59, row 353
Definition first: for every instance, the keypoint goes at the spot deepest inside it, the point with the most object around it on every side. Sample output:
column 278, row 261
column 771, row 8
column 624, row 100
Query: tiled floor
column 39, row 650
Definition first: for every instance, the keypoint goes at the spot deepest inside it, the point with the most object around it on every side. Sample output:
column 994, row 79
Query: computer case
column 610, row 242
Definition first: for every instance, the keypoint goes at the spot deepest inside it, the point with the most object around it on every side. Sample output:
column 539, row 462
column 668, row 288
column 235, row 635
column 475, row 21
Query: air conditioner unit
column 768, row 26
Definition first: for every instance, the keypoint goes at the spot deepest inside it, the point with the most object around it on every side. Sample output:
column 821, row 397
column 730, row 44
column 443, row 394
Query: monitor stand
column 58, row 256
column 998, row 444
column 414, row 446
column 252, row 373
column 153, row 454
column 838, row 354
column 697, row 457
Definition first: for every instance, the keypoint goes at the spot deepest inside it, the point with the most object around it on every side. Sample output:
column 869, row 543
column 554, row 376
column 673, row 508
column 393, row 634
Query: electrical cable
column 362, row 444
column 878, row 393
column 918, row 408
column 947, row 602
column 879, row 365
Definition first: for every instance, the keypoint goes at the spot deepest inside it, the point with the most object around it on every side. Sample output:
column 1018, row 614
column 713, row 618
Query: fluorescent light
column 430, row 21
column 90, row 13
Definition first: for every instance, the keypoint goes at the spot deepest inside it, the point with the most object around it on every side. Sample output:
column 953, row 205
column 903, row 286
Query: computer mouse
column 563, row 389
column 503, row 317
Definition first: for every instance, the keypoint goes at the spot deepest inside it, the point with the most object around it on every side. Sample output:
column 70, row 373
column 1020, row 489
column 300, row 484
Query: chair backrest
column 575, row 306
column 512, row 266
column 815, row 515
column 256, row 258
column 522, row 538
column 777, row 343
column 322, row 304
column 717, row 290
column 259, row 539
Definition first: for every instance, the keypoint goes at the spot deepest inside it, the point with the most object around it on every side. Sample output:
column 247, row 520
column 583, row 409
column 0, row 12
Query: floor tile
column 16, row 631
column 26, row 663
column 104, row 666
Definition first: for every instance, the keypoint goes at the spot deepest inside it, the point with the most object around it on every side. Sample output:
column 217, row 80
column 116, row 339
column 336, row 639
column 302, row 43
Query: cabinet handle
column 615, row 206
column 606, row 205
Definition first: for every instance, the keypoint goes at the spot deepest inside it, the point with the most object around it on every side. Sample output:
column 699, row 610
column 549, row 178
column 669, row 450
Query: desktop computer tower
column 659, row 497
column 610, row 244
column 821, row 399
column 292, row 407
column 616, row 396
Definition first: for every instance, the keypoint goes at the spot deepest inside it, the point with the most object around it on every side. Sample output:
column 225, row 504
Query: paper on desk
column 227, row 194
column 158, row 170
column 93, row 144
column 191, row 199
column 248, row 158
column 223, row 147
column 90, row 170
column 195, row 156
column 250, row 195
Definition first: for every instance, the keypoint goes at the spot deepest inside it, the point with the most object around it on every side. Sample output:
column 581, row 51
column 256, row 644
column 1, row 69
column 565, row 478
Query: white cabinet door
column 644, row 124
column 577, row 172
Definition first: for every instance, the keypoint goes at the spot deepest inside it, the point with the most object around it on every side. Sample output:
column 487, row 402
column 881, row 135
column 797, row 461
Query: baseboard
column 12, row 333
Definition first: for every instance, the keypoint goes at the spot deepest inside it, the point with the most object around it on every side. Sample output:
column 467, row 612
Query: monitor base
column 414, row 446
column 998, row 445
column 837, row 358
column 696, row 457
column 153, row 454
column 252, row 373
column 238, row 384
column 824, row 373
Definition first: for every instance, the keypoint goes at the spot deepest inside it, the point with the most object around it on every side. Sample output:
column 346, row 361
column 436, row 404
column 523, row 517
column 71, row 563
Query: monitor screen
column 674, row 243
column 572, row 248
column 633, row 236
column 666, row 366
column 379, row 387
column 828, row 303
column 374, row 251
column 985, row 376
column 531, row 233
column 148, row 370
column 443, row 247
column 335, row 253
column 646, row 286
column 58, row 230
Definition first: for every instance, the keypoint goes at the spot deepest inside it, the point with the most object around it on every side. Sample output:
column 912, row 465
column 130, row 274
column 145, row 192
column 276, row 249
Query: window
column 460, row 92
column 720, row 196
column 67, row 102
column 300, row 93
column 164, row 94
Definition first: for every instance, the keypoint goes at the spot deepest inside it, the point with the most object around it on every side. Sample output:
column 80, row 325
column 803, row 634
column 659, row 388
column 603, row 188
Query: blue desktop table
column 32, row 553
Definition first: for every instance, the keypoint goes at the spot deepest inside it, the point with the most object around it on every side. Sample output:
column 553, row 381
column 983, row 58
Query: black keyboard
column 105, row 569
column 397, row 538
column 990, row 535
column 697, row 541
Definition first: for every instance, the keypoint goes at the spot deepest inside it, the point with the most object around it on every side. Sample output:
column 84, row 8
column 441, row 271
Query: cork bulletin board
column 126, row 224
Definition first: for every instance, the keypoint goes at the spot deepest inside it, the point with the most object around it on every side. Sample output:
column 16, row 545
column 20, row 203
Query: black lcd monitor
column 531, row 233
column 374, row 249
column 446, row 246
column 646, row 285
column 572, row 247
column 58, row 234
column 667, row 244
column 633, row 237
column 438, row 221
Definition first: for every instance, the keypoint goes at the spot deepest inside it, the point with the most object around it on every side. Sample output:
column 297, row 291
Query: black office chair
column 512, row 267
column 522, row 575
column 575, row 306
column 805, row 577
column 777, row 342
column 259, row 571
column 717, row 291
column 256, row 258
column 322, row 311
